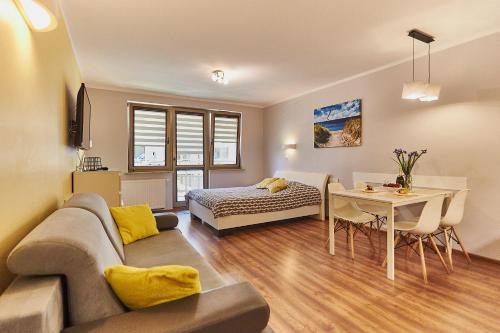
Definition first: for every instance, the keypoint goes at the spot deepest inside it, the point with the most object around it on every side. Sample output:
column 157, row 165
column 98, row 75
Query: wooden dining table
column 387, row 200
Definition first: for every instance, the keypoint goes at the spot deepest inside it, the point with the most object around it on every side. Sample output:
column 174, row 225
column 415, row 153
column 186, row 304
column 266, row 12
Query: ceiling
column 271, row 50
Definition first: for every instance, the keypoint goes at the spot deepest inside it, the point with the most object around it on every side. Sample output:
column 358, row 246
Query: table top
column 382, row 195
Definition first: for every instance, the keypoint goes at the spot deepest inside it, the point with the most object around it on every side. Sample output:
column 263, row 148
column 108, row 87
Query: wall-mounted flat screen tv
column 82, row 122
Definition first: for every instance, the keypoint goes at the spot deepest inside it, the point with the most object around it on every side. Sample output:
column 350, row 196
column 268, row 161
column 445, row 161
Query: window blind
column 150, row 128
column 189, row 139
column 225, row 140
column 150, row 132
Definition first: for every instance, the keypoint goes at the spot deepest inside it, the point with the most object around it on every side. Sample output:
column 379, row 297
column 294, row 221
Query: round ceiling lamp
column 219, row 77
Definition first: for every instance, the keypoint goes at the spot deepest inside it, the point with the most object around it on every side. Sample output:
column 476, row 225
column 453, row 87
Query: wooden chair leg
column 422, row 258
column 461, row 245
column 351, row 239
column 438, row 253
column 449, row 249
column 396, row 242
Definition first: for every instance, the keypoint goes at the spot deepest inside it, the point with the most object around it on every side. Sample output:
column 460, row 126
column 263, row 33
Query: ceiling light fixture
column 37, row 15
column 219, row 77
column 432, row 91
column 418, row 89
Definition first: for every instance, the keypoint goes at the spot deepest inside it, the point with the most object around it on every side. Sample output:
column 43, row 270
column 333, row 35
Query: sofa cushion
column 171, row 248
column 72, row 242
column 134, row 222
column 140, row 288
column 165, row 221
column 94, row 203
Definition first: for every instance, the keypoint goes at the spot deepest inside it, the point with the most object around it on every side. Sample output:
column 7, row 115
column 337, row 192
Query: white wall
column 110, row 136
column 461, row 131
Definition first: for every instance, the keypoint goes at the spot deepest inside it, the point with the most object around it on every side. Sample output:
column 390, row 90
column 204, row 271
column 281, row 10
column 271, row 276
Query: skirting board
column 235, row 221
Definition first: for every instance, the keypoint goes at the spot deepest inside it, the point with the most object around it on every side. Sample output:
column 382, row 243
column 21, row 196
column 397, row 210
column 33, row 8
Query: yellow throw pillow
column 140, row 288
column 263, row 184
column 134, row 222
column 277, row 185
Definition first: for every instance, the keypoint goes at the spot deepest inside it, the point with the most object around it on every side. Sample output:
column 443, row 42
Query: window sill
column 226, row 169
column 147, row 171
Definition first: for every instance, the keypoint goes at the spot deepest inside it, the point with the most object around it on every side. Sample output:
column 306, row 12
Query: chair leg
column 351, row 239
column 461, row 245
column 422, row 258
column 396, row 242
column 449, row 249
column 408, row 251
column 347, row 233
column 434, row 246
column 414, row 247
column 369, row 235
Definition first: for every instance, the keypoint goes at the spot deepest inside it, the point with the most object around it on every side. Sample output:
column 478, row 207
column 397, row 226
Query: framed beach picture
column 338, row 125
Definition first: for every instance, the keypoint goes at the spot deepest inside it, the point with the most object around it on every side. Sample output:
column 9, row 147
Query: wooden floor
column 310, row 291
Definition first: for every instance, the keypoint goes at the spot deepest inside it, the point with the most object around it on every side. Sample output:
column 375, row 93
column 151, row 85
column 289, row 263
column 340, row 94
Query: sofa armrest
column 235, row 308
column 32, row 304
column 166, row 221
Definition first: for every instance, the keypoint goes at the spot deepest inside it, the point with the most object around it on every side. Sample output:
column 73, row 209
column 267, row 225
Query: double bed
column 235, row 207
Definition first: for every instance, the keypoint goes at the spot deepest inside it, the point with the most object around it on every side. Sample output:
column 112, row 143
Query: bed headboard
column 318, row 180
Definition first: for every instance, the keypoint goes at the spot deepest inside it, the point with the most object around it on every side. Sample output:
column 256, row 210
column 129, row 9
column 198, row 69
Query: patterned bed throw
column 251, row 200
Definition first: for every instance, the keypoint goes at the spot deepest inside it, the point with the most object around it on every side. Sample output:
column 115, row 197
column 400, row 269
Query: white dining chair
column 454, row 215
column 349, row 218
column 415, row 232
column 380, row 213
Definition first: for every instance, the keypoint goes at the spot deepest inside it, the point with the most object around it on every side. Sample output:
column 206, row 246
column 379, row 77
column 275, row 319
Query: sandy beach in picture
column 338, row 125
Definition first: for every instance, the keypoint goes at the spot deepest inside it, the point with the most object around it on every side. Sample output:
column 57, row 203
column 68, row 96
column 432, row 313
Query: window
column 225, row 140
column 187, row 180
column 189, row 138
column 190, row 150
column 148, row 148
column 169, row 138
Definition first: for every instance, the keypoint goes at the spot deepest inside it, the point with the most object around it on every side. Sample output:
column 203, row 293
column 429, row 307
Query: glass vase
column 408, row 182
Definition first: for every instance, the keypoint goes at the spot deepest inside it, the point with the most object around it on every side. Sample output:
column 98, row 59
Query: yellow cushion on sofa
column 277, row 185
column 134, row 222
column 140, row 288
column 263, row 184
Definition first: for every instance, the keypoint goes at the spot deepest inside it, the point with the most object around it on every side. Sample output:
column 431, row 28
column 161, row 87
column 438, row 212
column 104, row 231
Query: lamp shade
column 413, row 90
column 40, row 15
column 431, row 93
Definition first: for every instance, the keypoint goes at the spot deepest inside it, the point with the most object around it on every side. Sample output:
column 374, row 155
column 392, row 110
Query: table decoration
column 406, row 161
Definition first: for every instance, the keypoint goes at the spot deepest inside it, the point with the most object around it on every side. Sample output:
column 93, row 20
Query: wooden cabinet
column 105, row 183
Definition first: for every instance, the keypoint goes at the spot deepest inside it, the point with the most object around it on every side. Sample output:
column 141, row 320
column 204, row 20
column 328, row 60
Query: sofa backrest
column 95, row 204
column 72, row 242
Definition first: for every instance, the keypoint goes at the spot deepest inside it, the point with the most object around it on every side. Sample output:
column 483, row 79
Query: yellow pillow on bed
column 277, row 185
column 263, row 184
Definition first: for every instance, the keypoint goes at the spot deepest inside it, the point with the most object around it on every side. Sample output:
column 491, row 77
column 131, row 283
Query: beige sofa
column 62, row 286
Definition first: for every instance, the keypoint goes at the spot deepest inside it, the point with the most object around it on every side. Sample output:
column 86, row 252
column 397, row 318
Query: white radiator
column 151, row 191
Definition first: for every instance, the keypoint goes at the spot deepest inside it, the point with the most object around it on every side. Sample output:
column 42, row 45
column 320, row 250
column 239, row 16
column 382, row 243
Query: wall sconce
column 38, row 16
column 289, row 149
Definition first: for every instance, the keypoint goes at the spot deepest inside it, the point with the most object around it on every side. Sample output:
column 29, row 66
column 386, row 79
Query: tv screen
column 82, row 123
